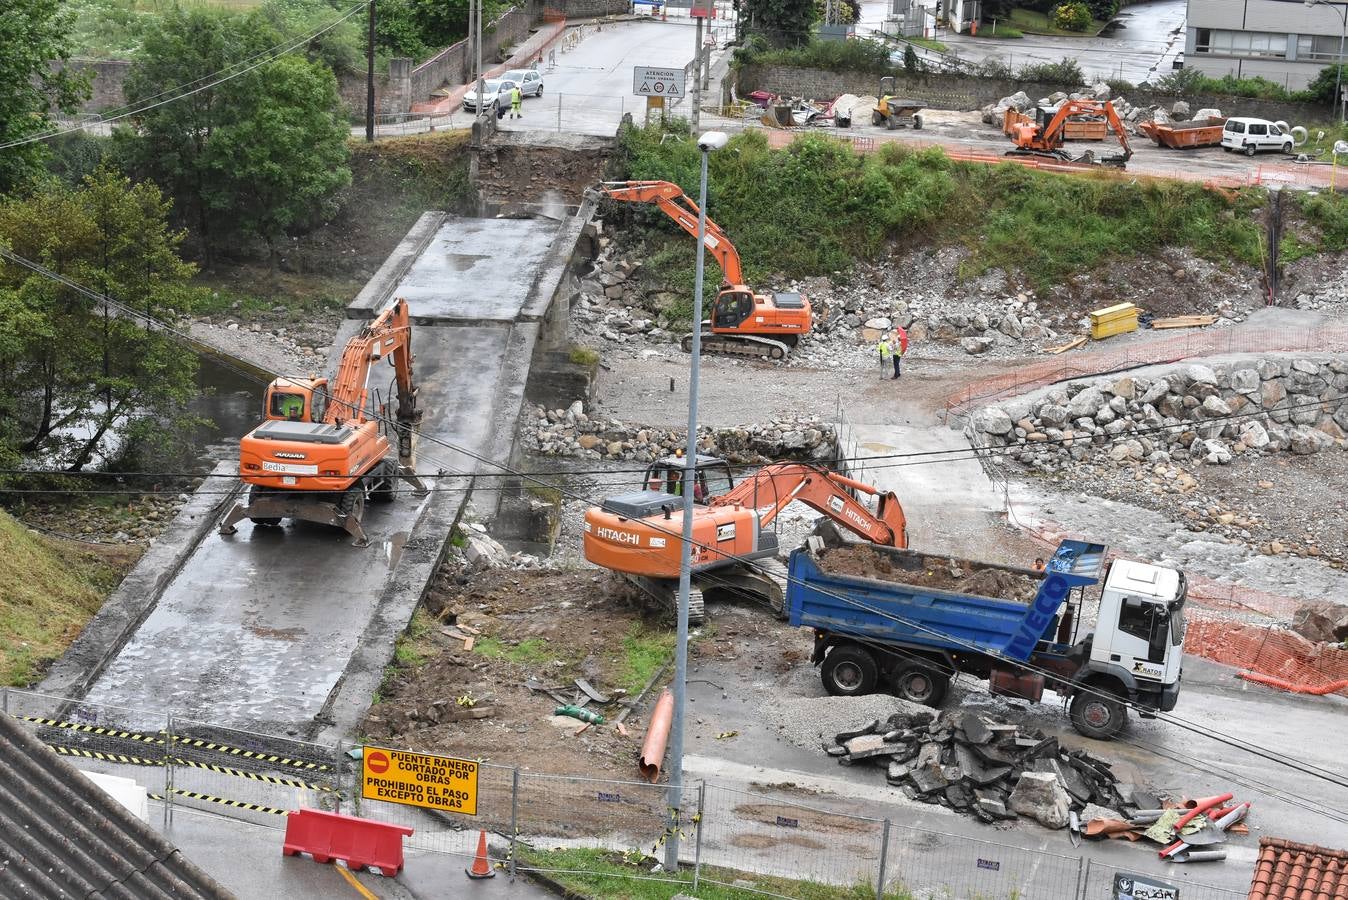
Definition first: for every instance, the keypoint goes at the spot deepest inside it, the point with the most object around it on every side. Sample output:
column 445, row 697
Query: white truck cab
column 1249, row 136
column 1138, row 642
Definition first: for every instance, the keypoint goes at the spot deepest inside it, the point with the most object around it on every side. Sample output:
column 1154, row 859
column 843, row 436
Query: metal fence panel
column 1098, row 883
column 930, row 864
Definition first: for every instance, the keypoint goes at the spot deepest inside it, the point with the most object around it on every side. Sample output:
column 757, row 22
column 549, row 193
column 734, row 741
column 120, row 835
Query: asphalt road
column 590, row 87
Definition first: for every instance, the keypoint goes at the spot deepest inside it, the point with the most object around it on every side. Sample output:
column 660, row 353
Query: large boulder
column 482, row 552
column 1245, row 381
column 1041, row 796
column 1321, row 620
column 1086, row 404
column 994, row 420
column 1054, row 416
column 1213, row 452
column 1254, row 435
column 976, row 345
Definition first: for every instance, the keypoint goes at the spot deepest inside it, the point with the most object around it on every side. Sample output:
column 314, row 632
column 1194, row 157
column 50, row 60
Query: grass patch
column 644, row 650
column 999, row 30
column 1328, row 214
column 1030, row 21
column 607, row 874
column 51, row 590
column 414, row 646
column 532, row 651
column 843, row 208
column 863, row 55
column 929, row 43
column 583, row 356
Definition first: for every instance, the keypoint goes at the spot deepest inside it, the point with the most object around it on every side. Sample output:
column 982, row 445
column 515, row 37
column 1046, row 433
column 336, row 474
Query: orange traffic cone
column 481, row 867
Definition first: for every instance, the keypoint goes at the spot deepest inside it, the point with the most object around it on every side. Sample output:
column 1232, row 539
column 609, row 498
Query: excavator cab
column 732, row 308
column 711, row 477
column 297, row 399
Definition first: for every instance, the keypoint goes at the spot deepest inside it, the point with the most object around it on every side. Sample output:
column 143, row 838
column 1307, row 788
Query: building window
column 1240, row 43
column 1317, row 47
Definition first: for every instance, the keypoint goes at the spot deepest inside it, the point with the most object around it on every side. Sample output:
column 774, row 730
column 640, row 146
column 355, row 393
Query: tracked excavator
column 639, row 534
column 325, row 448
column 1045, row 135
column 742, row 323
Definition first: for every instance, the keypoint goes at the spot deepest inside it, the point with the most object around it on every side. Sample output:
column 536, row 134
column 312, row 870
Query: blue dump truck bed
column 889, row 610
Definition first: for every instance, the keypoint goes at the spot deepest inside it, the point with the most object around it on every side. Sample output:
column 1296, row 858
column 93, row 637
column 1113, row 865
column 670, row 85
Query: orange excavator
column 639, row 534
column 742, row 322
column 1045, row 135
column 324, row 449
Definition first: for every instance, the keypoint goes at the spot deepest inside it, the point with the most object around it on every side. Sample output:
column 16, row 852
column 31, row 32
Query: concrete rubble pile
column 981, row 766
column 571, row 432
column 994, row 113
column 1179, row 414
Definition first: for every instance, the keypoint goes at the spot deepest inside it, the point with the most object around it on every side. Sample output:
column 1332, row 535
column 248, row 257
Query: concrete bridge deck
column 288, row 630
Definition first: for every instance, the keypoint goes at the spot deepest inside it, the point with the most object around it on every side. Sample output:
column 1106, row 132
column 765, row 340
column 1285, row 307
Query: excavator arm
column 1052, row 136
column 388, row 335
column 674, row 203
column 772, row 488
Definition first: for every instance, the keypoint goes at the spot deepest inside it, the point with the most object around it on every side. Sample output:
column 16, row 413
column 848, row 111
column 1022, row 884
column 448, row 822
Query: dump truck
column 898, row 619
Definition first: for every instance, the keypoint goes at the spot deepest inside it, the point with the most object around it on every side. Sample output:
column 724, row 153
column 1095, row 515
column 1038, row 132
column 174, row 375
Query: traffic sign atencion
column 417, row 779
column 652, row 82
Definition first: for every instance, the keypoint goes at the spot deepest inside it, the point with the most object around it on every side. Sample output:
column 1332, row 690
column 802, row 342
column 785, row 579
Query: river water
column 230, row 398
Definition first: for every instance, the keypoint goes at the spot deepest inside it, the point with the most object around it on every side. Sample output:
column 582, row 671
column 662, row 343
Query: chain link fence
column 755, row 840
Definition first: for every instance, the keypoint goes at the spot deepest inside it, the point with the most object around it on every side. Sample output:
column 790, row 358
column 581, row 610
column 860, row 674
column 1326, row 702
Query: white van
column 1253, row 135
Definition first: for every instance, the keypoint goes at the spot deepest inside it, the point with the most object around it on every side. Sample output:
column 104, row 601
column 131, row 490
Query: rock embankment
column 1188, row 412
column 571, row 432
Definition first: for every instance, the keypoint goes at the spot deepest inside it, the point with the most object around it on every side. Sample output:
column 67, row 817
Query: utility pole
column 697, row 75
column 369, row 79
column 477, row 45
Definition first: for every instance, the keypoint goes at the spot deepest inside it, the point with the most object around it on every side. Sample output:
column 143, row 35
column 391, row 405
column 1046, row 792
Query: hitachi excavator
column 324, row 449
column 639, row 534
column 742, row 322
column 1045, row 135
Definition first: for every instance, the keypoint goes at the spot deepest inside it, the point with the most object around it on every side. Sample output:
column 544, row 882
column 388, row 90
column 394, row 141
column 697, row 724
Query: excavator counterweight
column 324, row 448
column 742, row 322
column 639, row 534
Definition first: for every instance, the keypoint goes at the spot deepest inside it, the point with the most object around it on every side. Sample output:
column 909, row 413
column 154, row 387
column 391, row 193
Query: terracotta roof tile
column 1287, row 870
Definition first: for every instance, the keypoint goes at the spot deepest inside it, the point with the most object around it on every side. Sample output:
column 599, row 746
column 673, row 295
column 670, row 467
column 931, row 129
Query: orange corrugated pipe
column 657, row 736
column 1317, row 690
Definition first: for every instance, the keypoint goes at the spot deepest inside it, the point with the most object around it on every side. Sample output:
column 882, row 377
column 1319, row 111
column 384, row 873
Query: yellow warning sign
column 417, row 779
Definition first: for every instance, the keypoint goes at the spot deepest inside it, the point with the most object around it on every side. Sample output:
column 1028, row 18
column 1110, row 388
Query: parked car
column 495, row 92
column 1252, row 135
column 530, row 82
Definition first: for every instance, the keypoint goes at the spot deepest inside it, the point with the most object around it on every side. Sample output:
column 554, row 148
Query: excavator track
column 665, row 593
column 738, row 345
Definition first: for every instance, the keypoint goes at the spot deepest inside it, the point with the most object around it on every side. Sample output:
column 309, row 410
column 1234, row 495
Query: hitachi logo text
column 622, row 537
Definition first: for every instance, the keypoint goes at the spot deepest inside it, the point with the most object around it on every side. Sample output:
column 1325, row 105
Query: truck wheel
column 849, row 672
column 921, row 684
column 1249, row 149
column 917, row 122
column 1097, row 714
column 876, row 118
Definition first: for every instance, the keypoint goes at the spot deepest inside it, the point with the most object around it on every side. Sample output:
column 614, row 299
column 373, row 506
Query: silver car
column 530, row 82
column 495, row 92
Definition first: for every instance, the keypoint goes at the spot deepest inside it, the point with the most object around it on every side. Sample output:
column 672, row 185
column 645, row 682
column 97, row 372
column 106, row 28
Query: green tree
column 33, row 34
column 1322, row 88
column 1072, row 16
column 278, row 164
column 784, row 23
column 71, row 372
column 340, row 47
column 911, row 64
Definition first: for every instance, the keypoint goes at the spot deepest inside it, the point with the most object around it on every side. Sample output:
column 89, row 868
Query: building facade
column 1285, row 41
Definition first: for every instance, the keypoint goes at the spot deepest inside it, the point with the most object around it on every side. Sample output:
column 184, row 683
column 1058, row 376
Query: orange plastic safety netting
column 1286, row 659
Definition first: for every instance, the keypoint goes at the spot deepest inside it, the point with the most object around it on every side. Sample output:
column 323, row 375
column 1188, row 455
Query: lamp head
column 712, row 140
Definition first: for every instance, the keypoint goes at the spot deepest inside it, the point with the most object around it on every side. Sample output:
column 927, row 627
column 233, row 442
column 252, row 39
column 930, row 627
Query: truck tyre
column 849, row 671
column 921, row 684
column 1098, row 714
column 1249, row 149
column 917, row 122
column 876, row 118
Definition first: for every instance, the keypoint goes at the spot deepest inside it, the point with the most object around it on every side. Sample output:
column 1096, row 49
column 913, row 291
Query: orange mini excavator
column 324, row 449
column 1045, row 135
column 742, row 322
column 639, row 534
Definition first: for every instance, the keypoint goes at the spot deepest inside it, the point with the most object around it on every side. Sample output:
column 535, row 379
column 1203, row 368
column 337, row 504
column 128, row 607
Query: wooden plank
column 1070, row 345
column 468, row 643
column 1183, row 322
column 590, row 691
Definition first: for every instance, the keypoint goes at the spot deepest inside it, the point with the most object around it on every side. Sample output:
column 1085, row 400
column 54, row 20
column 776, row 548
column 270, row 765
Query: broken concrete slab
column 1040, row 796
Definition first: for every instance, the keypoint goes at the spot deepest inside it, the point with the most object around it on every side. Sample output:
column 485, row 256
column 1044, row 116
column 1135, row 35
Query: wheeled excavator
column 742, row 322
column 639, row 534
column 1045, row 135
column 324, row 448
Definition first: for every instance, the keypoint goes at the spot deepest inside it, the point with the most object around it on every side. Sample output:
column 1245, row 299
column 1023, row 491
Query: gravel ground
column 809, row 722
column 263, row 349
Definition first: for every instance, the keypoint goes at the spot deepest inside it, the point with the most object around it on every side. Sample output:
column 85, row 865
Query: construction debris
column 1194, row 321
column 980, row 765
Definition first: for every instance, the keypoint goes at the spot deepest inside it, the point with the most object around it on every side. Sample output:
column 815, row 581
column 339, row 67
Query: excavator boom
column 1046, row 138
column 772, row 488
column 673, row 202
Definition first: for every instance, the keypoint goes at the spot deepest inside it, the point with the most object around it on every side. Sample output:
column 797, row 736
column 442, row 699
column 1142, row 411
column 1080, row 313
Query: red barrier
column 357, row 842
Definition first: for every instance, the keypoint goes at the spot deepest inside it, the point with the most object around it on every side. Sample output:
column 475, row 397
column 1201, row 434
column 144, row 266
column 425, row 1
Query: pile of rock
column 981, row 765
column 571, row 432
column 994, row 113
column 1176, row 414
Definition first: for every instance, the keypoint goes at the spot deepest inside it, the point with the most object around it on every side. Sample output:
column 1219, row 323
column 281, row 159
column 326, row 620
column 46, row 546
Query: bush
column 1065, row 71
column 994, row 67
column 1072, row 16
column 1321, row 90
column 862, row 56
column 911, row 63
column 1103, row 10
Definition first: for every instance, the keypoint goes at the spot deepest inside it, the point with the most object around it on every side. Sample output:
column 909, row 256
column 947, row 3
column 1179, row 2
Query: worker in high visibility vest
column 516, row 98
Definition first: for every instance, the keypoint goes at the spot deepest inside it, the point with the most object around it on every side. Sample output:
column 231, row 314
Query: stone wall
column 107, row 77
column 392, row 90
column 1177, row 413
column 589, row 9
column 570, row 432
column 967, row 92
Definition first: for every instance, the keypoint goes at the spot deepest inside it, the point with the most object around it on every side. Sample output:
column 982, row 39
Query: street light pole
column 369, row 78
column 1338, row 65
column 477, row 43
column 712, row 140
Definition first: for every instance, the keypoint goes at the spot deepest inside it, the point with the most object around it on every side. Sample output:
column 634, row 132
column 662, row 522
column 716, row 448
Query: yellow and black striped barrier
column 224, row 801
column 222, row 770
column 106, row 757
column 95, row 729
